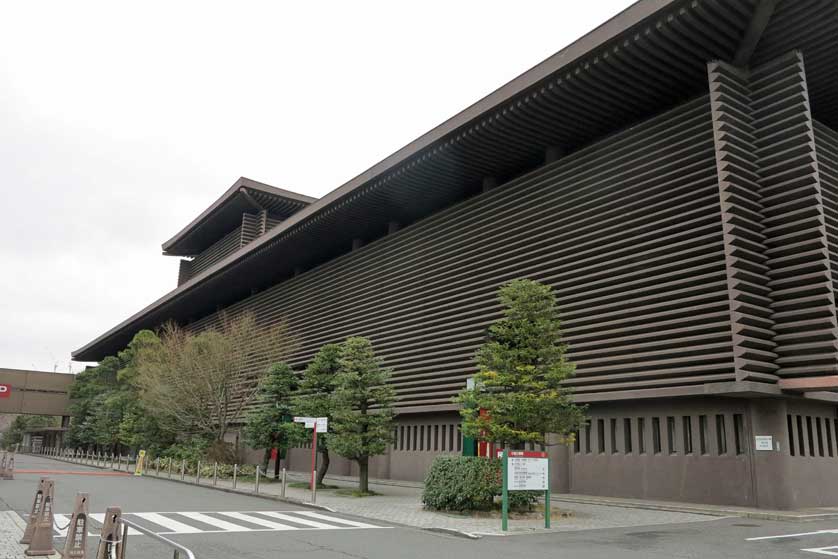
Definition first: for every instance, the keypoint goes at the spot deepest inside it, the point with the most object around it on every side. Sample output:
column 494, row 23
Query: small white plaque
column 764, row 442
column 322, row 425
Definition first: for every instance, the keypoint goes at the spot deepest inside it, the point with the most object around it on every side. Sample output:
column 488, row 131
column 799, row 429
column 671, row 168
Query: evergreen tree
column 269, row 425
column 314, row 397
column 520, row 370
column 363, row 407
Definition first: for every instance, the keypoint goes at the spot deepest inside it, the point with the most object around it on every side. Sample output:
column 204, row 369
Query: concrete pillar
column 771, row 481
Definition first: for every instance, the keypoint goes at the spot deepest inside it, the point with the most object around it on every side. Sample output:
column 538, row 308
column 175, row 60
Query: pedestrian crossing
column 195, row 522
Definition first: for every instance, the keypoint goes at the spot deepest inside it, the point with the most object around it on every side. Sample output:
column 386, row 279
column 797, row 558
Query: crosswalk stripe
column 100, row 518
column 169, row 523
column 303, row 521
column 217, row 522
column 258, row 521
column 338, row 520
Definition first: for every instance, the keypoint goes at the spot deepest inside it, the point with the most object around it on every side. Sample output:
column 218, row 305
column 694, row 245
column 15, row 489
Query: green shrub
column 467, row 483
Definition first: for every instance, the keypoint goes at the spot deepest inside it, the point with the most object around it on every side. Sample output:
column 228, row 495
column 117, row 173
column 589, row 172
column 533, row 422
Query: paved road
column 218, row 525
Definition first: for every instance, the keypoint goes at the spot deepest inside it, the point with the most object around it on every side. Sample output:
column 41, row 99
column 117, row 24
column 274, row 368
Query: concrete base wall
column 700, row 450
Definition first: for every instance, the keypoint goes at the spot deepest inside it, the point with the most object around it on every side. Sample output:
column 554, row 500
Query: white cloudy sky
column 119, row 122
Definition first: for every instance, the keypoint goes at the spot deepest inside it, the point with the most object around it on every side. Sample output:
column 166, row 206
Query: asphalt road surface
column 219, row 525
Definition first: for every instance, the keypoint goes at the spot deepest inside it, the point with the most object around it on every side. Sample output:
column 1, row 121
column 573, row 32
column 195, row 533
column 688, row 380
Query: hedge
column 468, row 483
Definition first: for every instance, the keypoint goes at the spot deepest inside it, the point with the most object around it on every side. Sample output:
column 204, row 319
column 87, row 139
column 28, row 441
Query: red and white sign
column 527, row 471
column 5, row 390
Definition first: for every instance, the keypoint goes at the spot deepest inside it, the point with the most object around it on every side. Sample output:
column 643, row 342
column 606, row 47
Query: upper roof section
column 643, row 61
column 225, row 214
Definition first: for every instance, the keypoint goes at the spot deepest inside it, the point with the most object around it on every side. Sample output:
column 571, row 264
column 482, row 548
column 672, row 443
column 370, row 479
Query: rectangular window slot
column 801, row 445
column 588, row 445
column 790, row 423
column 819, row 431
column 613, row 436
column 810, row 435
column 829, row 446
column 600, row 431
column 656, row 435
column 702, row 433
column 721, row 434
column 739, row 432
column 627, row 447
column 577, row 445
column 670, row 434
column 436, row 437
column 688, row 434
column 641, row 435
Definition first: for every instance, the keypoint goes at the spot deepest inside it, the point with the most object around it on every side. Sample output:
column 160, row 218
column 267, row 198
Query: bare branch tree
column 202, row 382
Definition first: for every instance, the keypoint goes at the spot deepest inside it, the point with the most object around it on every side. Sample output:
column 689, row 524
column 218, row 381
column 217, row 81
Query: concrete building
column 673, row 174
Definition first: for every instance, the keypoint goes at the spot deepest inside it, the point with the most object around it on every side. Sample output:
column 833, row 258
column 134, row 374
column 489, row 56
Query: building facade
column 673, row 175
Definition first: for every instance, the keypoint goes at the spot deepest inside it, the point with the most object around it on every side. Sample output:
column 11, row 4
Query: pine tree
column 520, row 370
column 269, row 425
column 363, row 407
column 314, row 397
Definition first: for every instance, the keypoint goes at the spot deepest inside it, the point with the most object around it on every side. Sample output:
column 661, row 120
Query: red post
column 314, row 458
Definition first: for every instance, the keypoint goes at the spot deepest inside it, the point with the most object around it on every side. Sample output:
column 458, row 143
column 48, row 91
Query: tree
column 363, row 407
column 269, row 425
column 14, row 432
column 315, row 399
column 520, row 370
column 201, row 383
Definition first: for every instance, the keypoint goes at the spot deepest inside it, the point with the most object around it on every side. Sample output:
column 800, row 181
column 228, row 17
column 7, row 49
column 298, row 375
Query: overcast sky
column 120, row 122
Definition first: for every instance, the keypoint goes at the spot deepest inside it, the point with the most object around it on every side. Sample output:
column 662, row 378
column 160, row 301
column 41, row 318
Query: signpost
column 138, row 470
column 525, row 471
column 5, row 390
column 319, row 425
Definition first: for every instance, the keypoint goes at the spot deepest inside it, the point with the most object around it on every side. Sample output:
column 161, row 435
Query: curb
column 453, row 532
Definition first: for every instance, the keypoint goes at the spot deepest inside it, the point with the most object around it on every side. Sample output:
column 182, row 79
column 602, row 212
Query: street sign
column 309, row 421
column 524, row 471
column 138, row 471
column 5, row 390
column 322, row 424
column 527, row 471
column 764, row 442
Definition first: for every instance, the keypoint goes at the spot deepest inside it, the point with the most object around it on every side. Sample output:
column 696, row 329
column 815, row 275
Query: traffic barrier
column 42, row 531
column 75, row 547
column 36, row 509
column 111, row 539
column 8, row 469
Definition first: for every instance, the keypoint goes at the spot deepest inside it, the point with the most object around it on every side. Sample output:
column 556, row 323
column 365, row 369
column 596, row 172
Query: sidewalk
column 11, row 530
column 400, row 502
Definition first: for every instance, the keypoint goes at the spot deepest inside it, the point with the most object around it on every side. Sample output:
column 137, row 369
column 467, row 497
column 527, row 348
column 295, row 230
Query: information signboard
column 527, row 471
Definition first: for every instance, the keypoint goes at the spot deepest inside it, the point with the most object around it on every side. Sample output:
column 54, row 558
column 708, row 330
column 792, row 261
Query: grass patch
column 347, row 492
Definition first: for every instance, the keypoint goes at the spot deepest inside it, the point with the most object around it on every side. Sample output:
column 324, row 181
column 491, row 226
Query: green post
column 547, row 497
column 505, row 494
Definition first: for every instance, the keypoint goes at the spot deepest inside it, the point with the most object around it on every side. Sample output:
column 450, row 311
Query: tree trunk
column 324, row 466
column 276, row 462
column 266, row 459
column 364, row 477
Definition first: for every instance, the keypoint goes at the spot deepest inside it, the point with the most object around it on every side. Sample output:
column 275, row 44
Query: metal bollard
column 198, row 474
column 215, row 474
column 182, row 470
column 284, row 482
column 235, row 472
column 157, row 466
column 256, row 487
column 170, row 468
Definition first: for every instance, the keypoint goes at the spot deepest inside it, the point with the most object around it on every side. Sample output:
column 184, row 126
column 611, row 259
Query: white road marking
column 61, row 520
column 339, row 520
column 100, row 518
column 823, row 550
column 303, row 521
column 169, row 523
column 217, row 522
column 801, row 534
column 258, row 521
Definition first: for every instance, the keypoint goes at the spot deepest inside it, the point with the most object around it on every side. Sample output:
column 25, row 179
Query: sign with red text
column 5, row 390
column 527, row 471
